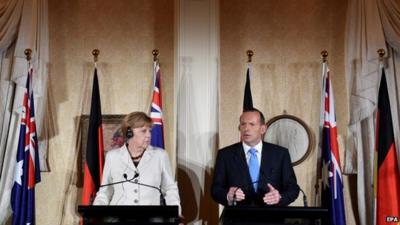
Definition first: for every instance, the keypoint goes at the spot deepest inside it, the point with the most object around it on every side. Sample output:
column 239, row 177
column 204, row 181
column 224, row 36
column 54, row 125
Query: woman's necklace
column 137, row 157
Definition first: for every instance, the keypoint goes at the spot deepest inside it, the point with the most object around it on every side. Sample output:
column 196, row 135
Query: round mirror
column 292, row 133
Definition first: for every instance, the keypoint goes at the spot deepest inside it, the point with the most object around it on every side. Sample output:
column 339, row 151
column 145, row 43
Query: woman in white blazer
column 140, row 163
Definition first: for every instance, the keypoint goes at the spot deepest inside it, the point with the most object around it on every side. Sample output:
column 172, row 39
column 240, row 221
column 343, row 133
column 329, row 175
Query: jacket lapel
column 240, row 159
column 127, row 162
column 266, row 165
column 148, row 154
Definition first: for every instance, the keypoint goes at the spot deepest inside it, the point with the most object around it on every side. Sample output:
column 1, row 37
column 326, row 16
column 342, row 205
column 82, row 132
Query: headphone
column 129, row 133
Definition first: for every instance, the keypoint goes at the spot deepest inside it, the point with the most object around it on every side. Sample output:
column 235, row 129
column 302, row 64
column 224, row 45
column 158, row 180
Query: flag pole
column 156, row 112
column 155, row 53
column 94, row 161
column 381, row 52
column 386, row 169
column 95, row 53
column 250, row 54
column 247, row 98
column 28, row 54
column 324, row 56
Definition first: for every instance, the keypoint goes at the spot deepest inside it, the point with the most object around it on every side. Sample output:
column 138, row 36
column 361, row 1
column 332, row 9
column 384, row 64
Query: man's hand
column 236, row 194
column 272, row 197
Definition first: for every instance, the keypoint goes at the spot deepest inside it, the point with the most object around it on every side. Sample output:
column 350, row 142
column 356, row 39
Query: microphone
column 234, row 202
column 304, row 198
column 120, row 182
column 134, row 177
column 162, row 199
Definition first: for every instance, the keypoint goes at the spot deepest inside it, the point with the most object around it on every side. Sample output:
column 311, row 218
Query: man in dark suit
column 253, row 172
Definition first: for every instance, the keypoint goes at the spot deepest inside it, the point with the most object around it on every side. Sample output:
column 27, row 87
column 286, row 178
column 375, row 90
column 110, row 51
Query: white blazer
column 154, row 169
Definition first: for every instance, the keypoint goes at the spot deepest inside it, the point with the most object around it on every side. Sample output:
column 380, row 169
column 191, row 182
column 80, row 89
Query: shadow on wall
column 72, row 196
column 201, row 207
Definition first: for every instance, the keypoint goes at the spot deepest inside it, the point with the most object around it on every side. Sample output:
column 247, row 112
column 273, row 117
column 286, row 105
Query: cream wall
column 125, row 31
column 286, row 36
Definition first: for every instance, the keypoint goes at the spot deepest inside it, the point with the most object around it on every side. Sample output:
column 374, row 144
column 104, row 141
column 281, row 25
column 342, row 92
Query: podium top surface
column 278, row 212
column 124, row 211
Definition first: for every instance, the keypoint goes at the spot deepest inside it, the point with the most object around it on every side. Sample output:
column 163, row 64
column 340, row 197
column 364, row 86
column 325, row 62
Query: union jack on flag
column 27, row 172
column 332, row 182
column 156, row 114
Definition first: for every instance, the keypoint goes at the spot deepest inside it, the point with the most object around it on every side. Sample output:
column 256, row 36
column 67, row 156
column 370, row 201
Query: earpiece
column 129, row 133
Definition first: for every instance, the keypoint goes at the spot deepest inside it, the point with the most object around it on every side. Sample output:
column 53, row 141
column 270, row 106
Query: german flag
column 387, row 178
column 93, row 169
column 247, row 99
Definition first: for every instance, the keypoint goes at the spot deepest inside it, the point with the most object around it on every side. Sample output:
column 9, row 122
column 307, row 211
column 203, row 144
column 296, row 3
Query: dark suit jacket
column 231, row 170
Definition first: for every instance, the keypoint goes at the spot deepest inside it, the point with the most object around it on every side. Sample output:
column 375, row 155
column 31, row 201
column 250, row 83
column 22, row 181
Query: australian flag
column 156, row 114
column 27, row 172
column 332, row 182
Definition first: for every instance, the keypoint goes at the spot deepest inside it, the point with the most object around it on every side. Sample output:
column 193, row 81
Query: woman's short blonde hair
column 135, row 120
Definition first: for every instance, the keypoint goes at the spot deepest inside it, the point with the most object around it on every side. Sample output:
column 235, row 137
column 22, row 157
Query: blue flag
column 332, row 182
column 27, row 169
column 156, row 114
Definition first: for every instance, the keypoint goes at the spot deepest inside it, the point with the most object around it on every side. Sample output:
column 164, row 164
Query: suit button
column 135, row 190
column 136, row 201
column 135, row 180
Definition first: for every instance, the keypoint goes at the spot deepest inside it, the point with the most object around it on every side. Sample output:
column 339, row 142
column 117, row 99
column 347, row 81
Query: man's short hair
column 262, row 118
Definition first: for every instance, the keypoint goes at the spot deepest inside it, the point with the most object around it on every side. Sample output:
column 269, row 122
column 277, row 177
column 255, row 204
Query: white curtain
column 23, row 24
column 370, row 26
column 197, row 94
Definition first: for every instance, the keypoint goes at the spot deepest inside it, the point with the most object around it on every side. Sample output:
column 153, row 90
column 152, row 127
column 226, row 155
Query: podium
column 266, row 215
column 129, row 215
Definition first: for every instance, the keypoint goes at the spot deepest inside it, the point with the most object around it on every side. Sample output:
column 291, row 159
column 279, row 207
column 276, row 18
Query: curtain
column 23, row 24
column 197, row 93
column 10, row 15
column 371, row 25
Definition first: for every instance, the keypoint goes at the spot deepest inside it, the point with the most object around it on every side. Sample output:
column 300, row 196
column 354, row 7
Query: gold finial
column 250, row 54
column 95, row 54
column 324, row 55
column 155, row 53
column 28, row 53
column 381, row 53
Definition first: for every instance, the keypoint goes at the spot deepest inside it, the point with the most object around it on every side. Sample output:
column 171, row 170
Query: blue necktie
column 254, row 167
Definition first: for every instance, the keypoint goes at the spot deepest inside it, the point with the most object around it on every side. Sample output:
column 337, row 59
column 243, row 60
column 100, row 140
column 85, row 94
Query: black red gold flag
column 387, row 180
column 93, row 168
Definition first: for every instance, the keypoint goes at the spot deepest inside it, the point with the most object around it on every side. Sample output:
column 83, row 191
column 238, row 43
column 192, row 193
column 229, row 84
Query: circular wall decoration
column 292, row 133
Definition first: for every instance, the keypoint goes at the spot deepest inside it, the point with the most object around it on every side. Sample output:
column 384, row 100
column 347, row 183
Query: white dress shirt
column 257, row 147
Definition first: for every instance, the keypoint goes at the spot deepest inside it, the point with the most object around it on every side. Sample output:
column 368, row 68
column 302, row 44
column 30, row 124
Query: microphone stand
column 304, row 198
column 162, row 199
column 234, row 203
column 120, row 182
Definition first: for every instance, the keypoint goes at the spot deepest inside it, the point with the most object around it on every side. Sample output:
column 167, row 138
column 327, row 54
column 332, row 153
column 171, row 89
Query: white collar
column 258, row 147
